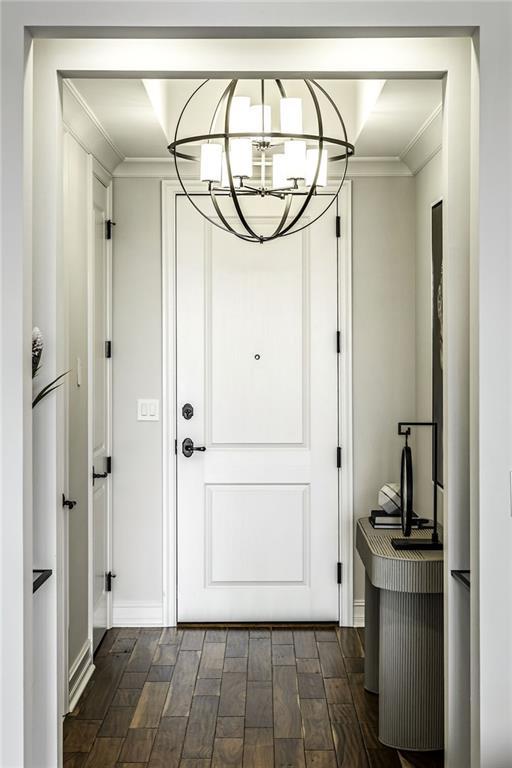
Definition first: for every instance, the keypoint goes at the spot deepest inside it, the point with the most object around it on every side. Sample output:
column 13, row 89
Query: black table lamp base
column 432, row 544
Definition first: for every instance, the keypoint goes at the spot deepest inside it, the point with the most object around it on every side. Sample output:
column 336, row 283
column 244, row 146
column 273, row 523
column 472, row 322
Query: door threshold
column 257, row 625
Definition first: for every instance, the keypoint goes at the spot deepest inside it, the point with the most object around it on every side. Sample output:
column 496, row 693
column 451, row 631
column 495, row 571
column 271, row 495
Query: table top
column 414, row 571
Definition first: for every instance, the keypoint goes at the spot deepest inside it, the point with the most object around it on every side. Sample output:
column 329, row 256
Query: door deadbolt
column 187, row 447
column 187, row 411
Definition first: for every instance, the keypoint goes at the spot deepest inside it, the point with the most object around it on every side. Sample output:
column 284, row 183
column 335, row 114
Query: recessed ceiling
column 401, row 110
column 139, row 116
column 124, row 110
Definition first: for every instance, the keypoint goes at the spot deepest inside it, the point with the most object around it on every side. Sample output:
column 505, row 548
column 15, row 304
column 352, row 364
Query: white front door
column 256, row 359
column 100, row 412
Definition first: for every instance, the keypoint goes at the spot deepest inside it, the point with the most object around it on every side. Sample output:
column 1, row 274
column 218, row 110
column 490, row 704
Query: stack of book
column 381, row 519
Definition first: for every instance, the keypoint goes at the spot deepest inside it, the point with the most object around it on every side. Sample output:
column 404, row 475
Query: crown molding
column 83, row 124
column 426, row 143
column 161, row 168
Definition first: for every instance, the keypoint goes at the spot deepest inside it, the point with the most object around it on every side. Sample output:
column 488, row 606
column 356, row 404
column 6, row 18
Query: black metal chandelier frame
column 263, row 143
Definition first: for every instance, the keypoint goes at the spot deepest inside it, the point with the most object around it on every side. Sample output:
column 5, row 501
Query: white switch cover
column 148, row 410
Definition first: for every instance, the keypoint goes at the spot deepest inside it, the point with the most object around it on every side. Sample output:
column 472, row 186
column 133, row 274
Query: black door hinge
column 108, row 581
column 338, row 226
column 339, row 573
column 176, row 447
column 108, row 465
column 338, row 456
column 338, row 342
column 108, row 349
column 108, row 229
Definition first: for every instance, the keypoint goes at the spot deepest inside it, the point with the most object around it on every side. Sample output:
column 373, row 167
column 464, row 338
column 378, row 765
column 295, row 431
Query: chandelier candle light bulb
column 291, row 115
column 240, row 115
column 261, row 120
column 311, row 164
column 211, row 162
column 240, row 157
column 295, row 157
column 279, row 179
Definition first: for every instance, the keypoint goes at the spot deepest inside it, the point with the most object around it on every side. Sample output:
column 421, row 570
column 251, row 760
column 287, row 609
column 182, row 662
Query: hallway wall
column 383, row 261
column 383, row 363
column 428, row 190
column 137, row 372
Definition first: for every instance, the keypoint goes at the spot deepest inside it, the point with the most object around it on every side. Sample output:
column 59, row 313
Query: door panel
column 260, row 358
column 100, row 411
column 257, row 534
column 256, row 357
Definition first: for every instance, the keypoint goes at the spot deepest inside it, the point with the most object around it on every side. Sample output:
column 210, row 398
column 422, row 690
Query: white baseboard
column 358, row 613
column 137, row 614
column 80, row 674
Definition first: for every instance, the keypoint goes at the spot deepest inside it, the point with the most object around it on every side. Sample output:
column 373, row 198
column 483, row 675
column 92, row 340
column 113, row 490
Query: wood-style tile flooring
column 252, row 698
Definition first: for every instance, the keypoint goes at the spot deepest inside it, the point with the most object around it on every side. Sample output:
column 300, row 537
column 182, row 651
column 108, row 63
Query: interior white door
column 256, row 359
column 100, row 413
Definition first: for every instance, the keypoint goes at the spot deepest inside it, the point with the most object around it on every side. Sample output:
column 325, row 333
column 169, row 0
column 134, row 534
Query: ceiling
column 383, row 117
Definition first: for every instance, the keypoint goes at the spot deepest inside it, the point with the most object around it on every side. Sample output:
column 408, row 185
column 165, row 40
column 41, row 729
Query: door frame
column 171, row 190
column 68, row 697
column 104, row 178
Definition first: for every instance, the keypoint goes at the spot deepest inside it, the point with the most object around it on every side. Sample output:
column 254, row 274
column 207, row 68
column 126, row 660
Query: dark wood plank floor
column 215, row 698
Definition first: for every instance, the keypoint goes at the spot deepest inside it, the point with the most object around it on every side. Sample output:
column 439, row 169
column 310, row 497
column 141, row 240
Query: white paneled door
column 100, row 412
column 257, row 500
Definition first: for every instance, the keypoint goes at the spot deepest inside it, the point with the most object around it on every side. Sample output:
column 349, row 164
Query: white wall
column 383, row 230
column 383, row 365
column 429, row 183
column 137, row 445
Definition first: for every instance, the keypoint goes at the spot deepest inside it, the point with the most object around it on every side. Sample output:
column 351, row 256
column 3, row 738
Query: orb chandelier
column 242, row 155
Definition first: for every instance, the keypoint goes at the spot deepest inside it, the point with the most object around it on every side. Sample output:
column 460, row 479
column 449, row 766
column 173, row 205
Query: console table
column 404, row 638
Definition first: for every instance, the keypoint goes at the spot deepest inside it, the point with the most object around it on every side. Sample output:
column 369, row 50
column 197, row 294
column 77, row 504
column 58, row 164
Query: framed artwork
column 437, row 331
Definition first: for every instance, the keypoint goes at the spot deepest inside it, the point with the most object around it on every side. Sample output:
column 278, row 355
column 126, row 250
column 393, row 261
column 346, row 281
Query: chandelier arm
column 219, row 107
column 221, row 216
column 320, row 145
column 267, row 134
column 280, row 85
column 198, row 209
column 236, row 203
column 340, row 118
column 334, row 197
column 284, row 219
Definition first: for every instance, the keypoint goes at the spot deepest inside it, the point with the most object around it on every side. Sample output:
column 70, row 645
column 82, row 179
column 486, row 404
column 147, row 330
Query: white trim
column 101, row 173
column 84, row 666
column 426, row 160
column 358, row 613
column 96, row 169
column 345, row 405
column 163, row 168
column 110, row 484
column 90, row 389
column 92, row 117
column 421, row 130
column 170, row 188
column 369, row 167
column 131, row 613
column 426, row 143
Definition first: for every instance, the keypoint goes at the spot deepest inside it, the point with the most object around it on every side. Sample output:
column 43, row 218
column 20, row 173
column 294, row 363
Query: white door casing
column 257, row 512
column 100, row 378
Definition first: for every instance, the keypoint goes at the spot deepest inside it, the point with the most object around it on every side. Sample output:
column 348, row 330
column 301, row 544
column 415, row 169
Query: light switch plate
column 148, row 410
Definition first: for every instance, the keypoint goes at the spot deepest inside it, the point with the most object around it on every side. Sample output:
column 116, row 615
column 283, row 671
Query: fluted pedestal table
column 404, row 638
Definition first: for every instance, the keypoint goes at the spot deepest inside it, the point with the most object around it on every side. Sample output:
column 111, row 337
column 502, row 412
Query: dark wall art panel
column 437, row 330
